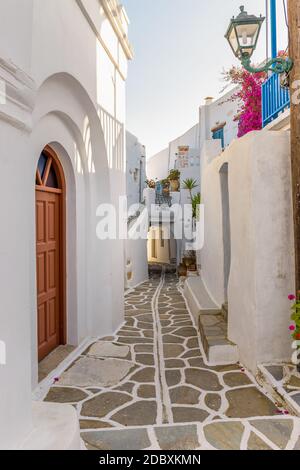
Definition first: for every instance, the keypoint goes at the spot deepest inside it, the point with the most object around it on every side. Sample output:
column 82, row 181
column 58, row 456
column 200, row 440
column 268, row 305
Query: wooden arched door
column 50, row 252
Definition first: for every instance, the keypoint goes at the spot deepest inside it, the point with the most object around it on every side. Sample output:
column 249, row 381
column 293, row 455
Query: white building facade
column 63, row 67
column 157, row 166
column 247, row 262
column 189, row 153
column 136, row 265
column 135, row 170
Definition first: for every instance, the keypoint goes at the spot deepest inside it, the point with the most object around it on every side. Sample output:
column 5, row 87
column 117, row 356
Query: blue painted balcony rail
column 275, row 99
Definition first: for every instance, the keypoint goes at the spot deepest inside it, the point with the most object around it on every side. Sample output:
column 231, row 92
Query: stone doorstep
column 266, row 379
column 55, row 426
column 213, row 331
column 223, row 354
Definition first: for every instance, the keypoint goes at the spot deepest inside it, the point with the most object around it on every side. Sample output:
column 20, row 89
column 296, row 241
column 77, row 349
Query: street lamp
column 242, row 35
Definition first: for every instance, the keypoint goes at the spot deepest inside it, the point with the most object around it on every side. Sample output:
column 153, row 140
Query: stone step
column 213, row 331
column 197, row 297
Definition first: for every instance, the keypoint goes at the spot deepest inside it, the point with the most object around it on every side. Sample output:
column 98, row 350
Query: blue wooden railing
column 275, row 99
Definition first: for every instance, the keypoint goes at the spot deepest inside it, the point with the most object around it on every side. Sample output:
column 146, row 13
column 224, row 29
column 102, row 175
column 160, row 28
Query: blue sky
column 180, row 52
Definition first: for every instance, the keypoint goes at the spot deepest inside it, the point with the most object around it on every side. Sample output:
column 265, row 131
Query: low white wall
column 212, row 254
column 262, row 270
column 262, row 256
column 136, row 262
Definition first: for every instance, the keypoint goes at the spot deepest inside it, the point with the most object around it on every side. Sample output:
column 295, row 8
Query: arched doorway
column 50, row 253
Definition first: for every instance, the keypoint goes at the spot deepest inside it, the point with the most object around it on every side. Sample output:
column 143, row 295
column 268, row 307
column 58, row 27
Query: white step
column 54, row 427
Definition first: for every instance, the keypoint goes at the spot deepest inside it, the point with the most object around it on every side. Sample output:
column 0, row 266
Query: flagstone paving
column 148, row 387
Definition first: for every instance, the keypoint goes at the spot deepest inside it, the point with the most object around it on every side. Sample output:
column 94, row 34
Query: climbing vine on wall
column 249, row 96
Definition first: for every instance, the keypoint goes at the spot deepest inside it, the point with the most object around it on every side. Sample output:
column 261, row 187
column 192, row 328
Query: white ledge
column 55, row 427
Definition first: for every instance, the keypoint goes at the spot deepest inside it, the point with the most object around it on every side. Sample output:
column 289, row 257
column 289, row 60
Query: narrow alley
column 148, row 387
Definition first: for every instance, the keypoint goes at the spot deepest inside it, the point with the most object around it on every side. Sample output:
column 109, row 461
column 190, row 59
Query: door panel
column 48, row 230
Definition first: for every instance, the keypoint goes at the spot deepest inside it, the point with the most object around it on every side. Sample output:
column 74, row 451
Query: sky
column 179, row 55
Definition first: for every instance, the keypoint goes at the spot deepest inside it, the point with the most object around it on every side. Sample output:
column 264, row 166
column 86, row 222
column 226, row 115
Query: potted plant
column 196, row 201
column 174, row 177
column 189, row 259
column 150, row 184
column 190, row 184
column 166, row 186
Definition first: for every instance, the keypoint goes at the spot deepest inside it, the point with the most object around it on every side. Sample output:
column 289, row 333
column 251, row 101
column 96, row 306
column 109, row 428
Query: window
column 46, row 173
column 218, row 133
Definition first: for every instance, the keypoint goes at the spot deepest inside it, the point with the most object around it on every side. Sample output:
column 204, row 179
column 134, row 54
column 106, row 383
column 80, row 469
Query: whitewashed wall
column 158, row 165
column 136, row 260
column 190, row 138
column 222, row 110
column 135, row 169
column 262, row 262
column 65, row 72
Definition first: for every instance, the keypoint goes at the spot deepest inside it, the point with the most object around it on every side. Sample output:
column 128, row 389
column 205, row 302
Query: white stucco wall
column 262, row 261
column 190, row 138
column 136, row 262
column 263, row 241
column 157, row 167
column 211, row 256
column 222, row 110
column 65, row 74
column 135, row 169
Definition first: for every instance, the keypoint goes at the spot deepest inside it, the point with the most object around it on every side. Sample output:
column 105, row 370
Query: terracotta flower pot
column 174, row 185
column 182, row 271
column 188, row 261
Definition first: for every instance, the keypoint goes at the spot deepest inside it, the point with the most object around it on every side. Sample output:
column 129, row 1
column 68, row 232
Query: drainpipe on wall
column 273, row 28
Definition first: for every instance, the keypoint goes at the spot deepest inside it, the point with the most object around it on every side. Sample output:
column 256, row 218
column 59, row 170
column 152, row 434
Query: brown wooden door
column 49, row 262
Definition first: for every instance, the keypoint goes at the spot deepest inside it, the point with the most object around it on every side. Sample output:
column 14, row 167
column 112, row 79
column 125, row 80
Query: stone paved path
column 148, row 387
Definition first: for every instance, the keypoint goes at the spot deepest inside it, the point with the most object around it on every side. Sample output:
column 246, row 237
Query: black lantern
column 242, row 35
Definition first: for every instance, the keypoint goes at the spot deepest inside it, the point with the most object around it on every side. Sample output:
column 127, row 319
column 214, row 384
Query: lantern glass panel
column 247, row 34
column 233, row 41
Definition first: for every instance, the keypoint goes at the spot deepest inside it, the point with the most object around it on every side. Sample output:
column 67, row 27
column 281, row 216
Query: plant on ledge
column 295, row 317
column 190, row 184
column 150, row 184
column 196, row 201
column 174, row 177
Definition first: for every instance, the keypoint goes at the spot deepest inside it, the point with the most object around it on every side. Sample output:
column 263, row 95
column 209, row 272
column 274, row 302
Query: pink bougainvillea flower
column 292, row 297
column 292, row 327
column 249, row 96
column 286, row 412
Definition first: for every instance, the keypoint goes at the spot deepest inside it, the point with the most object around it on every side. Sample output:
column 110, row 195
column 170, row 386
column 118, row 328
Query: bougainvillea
column 249, row 97
column 295, row 327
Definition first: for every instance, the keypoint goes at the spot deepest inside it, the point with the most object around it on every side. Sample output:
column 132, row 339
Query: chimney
column 208, row 100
